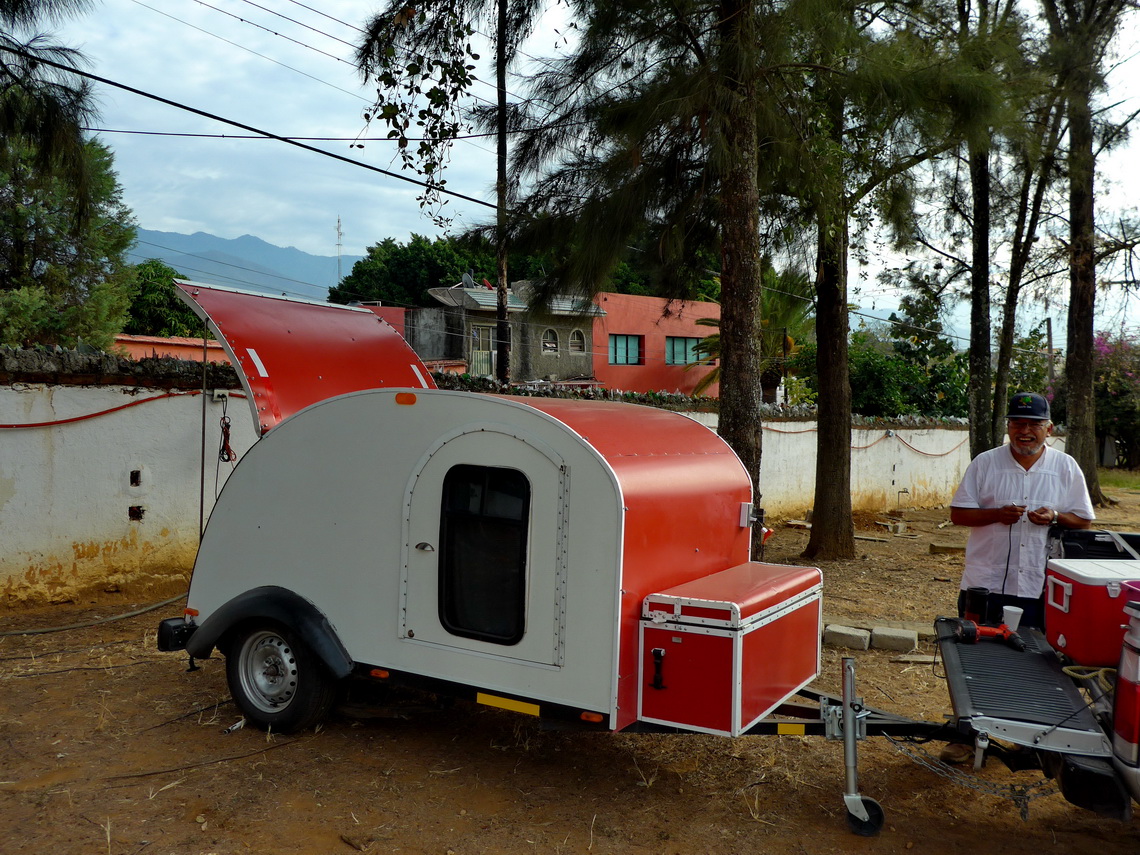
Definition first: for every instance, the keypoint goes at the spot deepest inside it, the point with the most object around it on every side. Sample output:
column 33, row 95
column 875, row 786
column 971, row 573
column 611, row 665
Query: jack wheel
column 873, row 824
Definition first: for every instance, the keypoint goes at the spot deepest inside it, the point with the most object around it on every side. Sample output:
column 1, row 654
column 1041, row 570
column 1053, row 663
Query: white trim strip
column 257, row 361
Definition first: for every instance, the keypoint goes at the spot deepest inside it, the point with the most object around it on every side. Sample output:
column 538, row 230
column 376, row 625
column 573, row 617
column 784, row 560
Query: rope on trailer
column 1104, row 676
column 1020, row 794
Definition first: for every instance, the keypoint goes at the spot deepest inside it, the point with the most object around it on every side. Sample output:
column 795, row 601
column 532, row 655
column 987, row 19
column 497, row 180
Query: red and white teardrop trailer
column 575, row 559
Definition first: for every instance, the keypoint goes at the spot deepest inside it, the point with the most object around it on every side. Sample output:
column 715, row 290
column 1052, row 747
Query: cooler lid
column 1095, row 571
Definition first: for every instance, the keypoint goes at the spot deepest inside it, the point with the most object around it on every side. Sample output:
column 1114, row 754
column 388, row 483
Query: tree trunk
column 1081, row 441
column 502, row 327
column 740, row 321
column 1037, row 177
column 980, row 400
column 832, row 527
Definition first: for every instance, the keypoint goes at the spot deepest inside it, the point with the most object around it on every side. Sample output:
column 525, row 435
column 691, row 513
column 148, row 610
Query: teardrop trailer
column 584, row 562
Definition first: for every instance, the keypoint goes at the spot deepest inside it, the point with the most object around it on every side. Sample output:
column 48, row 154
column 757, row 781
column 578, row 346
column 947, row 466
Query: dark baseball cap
column 1028, row 405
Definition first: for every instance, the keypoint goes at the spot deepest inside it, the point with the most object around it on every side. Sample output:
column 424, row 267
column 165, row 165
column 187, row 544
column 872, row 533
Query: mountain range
column 247, row 262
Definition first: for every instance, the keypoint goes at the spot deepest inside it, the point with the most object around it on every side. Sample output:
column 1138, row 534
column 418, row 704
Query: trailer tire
column 275, row 679
column 873, row 824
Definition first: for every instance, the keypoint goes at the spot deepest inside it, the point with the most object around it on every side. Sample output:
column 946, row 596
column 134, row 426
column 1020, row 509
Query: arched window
column 577, row 342
column 550, row 342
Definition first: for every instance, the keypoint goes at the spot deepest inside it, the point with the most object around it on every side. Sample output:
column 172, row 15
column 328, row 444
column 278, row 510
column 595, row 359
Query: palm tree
column 45, row 107
column 787, row 312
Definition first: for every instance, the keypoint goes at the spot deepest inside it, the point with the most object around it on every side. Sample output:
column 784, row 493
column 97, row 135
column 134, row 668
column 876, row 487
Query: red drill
column 969, row 632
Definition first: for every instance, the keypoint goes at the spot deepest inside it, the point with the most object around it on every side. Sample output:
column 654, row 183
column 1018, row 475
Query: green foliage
column 421, row 62
column 400, row 274
column 63, row 274
column 1116, row 386
column 39, row 102
column 886, row 383
column 1029, row 368
column 787, row 313
column 155, row 308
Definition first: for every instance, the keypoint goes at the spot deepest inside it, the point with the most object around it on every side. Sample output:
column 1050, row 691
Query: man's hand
column 1042, row 516
column 1007, row 515
column 1010, row 514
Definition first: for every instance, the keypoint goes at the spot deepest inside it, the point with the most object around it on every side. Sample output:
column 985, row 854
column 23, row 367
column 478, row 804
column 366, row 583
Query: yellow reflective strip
column 506, row 704
column 790, row 729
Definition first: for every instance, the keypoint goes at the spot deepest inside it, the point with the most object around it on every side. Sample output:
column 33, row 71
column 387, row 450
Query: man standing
column 1009, row 496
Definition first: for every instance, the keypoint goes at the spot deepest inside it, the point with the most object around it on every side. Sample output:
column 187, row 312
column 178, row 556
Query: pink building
column 174, row 347
column 646, row 344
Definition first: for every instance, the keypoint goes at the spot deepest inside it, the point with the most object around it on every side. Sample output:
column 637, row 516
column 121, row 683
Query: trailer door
column 484, row 566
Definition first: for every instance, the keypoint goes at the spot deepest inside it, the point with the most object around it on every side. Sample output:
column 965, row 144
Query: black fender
column 271, row 602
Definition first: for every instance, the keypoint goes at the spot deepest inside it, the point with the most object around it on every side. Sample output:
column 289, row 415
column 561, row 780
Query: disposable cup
column 1011, row 617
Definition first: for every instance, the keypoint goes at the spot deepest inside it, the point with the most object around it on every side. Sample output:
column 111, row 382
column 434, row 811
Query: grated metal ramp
column 1021, row 696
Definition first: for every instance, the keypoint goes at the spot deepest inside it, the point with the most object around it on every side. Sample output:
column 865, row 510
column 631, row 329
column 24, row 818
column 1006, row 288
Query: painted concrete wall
column 67, row 490
column 925, row 462
column 653, row 319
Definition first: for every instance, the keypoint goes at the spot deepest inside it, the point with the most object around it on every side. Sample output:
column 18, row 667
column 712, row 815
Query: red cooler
column 720, row 653
column 1084, row 608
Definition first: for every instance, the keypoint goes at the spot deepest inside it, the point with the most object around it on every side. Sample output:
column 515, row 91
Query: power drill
column 969, row 632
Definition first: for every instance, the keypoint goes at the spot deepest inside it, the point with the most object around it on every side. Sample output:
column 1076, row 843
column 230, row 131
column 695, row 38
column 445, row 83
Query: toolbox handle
column 1066, row 590
column 658, row 663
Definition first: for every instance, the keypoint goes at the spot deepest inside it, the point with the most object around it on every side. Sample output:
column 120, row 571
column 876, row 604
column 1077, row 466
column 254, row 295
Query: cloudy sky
column 276, row 65
column 284, row 66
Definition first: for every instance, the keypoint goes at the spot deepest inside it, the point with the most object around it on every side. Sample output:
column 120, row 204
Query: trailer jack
column 848, row 722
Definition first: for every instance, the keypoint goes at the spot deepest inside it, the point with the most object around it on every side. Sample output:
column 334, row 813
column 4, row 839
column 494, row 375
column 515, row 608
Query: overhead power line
column 245, row 127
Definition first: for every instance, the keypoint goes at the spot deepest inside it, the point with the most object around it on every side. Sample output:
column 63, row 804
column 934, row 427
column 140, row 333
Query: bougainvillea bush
column 1117, row 388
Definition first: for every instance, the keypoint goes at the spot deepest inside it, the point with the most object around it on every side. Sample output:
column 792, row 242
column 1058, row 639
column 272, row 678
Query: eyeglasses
column 1027, row 424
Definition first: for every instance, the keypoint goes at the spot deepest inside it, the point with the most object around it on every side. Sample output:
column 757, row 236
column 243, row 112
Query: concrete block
column 889, row 638
column 847, row 636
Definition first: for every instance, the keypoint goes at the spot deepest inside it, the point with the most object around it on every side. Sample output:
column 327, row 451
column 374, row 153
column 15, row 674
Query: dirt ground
column 111, row 747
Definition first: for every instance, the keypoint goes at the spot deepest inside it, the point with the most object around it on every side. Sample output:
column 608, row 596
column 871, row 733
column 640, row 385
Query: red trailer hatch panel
column 292, row 353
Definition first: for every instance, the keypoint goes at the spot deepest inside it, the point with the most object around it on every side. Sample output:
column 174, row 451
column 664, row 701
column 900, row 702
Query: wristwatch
column 1056, row 514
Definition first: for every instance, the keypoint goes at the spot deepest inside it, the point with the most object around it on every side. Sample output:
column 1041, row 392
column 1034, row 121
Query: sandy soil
column 111, row 747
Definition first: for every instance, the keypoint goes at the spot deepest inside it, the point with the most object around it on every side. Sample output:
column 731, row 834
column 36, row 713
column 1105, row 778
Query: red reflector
column 595, row 717
column 379, row 673
column 190, row 612
column 406, row 398
column 1126, row 711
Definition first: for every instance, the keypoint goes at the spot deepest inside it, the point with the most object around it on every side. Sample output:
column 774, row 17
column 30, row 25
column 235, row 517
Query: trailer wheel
column 276, row 680
column 873, row 824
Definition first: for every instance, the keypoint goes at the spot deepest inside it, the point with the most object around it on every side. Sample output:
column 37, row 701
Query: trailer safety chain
column 1020, row 794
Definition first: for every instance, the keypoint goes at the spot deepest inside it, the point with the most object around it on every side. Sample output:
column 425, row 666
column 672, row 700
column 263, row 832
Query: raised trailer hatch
column 291, row 353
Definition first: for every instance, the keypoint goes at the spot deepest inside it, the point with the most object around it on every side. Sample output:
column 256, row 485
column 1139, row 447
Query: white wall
column 66, row 492
column 927, row 462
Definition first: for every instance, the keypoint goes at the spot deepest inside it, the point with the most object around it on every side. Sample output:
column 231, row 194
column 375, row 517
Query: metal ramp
column 1023, row 697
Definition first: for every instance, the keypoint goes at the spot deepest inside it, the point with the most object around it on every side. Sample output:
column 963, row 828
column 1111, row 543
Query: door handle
column 424, row 546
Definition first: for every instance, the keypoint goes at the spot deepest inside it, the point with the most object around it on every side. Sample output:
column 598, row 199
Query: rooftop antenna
column 339, row 235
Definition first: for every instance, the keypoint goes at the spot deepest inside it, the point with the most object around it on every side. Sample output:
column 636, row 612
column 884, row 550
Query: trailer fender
column 282, row 606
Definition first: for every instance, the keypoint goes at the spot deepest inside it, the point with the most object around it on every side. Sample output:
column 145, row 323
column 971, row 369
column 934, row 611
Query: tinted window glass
column 482, row 569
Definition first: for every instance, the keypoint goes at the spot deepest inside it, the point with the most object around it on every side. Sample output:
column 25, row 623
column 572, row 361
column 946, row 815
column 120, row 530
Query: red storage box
column 720, row 653
column 1084, row 608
